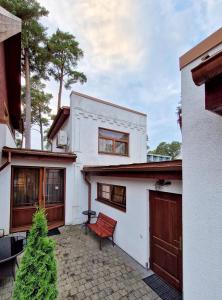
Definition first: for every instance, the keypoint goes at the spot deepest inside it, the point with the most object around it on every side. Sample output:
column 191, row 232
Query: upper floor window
column 113, row 142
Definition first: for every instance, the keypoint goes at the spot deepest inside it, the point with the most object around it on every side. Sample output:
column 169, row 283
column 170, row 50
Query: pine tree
column 34, row 52
column 40, row 101
column 64, row 56
column 36, row 278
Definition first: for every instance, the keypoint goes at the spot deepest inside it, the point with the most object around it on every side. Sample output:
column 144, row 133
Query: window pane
column 54, row 186
column 113, row 134
column 105, row 145
column 120, row 148
column 105, row 191
column 119, row 194
column 112, row 194
column 25, row 186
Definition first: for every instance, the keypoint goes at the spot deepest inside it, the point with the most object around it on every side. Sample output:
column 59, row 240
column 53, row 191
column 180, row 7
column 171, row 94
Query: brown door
column 32, row 187
column 54, row 197
column 166, row 236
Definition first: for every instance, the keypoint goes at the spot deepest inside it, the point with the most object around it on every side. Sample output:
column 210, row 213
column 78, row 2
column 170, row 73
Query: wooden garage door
column 166, row 236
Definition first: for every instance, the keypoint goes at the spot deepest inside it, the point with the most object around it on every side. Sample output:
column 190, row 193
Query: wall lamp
column 161, row 182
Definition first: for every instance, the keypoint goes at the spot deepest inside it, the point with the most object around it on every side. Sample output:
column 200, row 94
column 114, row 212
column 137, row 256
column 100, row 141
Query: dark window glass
column 54, row 186
column 113, row 195
column 25, row 186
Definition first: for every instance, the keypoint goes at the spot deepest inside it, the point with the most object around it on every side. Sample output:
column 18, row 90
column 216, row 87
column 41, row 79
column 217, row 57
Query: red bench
column 103, row 228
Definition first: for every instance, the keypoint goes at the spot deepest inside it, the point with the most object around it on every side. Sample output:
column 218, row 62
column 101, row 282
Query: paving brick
column 85, row 272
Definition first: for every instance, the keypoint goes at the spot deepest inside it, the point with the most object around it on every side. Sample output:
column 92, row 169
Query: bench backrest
column 106, row 223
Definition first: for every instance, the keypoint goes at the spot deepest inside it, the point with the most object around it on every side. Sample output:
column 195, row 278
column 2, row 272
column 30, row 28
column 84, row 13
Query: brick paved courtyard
column 85, row 272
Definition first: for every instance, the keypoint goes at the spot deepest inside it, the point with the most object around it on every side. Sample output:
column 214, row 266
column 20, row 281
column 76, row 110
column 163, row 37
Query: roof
column 161, row 170
column 39, row 154
column 210, row 42
column 107, row 103
column 59, row 120
column 10, row 36
column 9, row 24
column 208, row 69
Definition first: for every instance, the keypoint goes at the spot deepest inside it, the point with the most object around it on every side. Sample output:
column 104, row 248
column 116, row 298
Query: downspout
column 7, row 162
column 89, row 190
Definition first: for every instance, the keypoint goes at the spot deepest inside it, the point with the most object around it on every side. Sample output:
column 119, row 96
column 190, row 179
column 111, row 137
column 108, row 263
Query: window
column 113, row 195
column 113, row 142
column 29, row 187
column 54, row 186
column 25, row 186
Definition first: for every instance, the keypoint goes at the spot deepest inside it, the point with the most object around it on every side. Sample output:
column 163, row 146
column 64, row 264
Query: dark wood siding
column 3, row 85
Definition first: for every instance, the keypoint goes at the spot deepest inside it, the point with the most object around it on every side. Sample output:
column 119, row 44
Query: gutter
column 7, row 162
column 89, row 190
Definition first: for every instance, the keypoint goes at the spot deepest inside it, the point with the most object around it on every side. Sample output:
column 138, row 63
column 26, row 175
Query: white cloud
column 132, row 50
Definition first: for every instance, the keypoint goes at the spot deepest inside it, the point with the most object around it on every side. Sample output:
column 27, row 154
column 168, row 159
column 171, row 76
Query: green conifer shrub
column 36, row 278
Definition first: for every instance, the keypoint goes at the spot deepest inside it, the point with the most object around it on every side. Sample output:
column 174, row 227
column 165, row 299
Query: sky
column 131, row 52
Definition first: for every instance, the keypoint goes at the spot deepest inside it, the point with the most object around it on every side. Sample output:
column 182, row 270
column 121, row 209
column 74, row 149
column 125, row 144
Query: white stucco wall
column 6, row 139
column 67, row 127
column 5, row 184
column 132, row 230
column 202, row 193
column 86, row 116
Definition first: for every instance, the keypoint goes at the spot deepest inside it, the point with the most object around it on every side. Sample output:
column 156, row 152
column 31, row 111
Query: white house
column 201, row 86
column 111, row 176
column 98, row 162
column 99, row 133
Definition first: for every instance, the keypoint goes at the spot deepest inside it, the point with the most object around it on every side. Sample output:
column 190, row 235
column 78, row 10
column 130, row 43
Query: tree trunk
column 22, row 139
column 60, row 92
column 41, row 130
column 27, row 103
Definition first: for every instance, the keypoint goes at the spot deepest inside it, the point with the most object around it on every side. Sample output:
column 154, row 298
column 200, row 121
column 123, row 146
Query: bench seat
column 103, row 228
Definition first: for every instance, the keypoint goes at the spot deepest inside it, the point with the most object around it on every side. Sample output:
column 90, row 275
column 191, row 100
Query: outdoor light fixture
column 161, row 182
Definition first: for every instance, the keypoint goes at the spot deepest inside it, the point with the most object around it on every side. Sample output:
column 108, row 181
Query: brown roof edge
column 59, row 120
column 39, row 154
column 207, row 44
column 166, row 165
column 108, row 103
column 160, row 170
column 208, row 69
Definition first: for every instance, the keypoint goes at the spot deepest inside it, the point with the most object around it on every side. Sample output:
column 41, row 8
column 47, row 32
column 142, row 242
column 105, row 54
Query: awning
column 157, row 170
column 59, row 120
column 39, row 154
column 208, row 69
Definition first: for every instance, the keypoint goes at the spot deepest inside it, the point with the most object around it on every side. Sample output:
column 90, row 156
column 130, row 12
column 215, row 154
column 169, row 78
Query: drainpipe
column 89, row 190
column 7, row 162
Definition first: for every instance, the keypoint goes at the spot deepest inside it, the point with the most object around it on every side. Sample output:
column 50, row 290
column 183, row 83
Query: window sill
column 110, row 153
column 123, row 209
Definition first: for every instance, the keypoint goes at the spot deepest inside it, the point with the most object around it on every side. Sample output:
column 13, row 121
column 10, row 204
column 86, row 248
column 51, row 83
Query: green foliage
column 64, row 56
column 36, row 277
column 40, row 105
column 34, row 37
column 34, row 58
column 171, row 149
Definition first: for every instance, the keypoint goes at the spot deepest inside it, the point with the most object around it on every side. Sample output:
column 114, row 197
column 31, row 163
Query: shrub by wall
column 36, row 278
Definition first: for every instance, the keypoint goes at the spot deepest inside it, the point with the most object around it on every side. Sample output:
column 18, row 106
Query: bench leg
column 113, row 241
column 100, row 243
